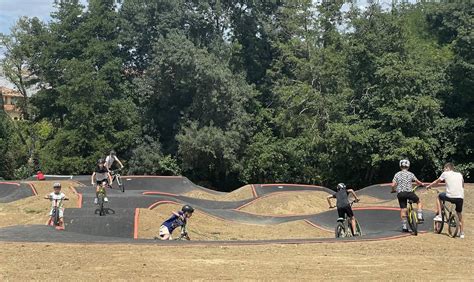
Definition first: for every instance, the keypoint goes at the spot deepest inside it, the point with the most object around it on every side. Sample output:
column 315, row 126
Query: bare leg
column 353, row 223
column 438, row 206
column 461, row 222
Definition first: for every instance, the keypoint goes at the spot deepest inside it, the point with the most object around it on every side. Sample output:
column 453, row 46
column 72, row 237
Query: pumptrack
column 120, row 225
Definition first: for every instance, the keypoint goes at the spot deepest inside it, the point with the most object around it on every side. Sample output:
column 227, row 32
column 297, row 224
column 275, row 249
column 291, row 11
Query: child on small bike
column 402, row 185
column 454, row 193
column 342, row 203
column 178, row 219
column 57, row 198
column 101, row 174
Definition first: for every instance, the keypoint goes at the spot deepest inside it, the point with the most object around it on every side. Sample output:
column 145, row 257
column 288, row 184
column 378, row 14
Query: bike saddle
column 340, row 219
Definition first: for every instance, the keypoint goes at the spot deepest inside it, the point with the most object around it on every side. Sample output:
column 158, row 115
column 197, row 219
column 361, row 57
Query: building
column 11, row 98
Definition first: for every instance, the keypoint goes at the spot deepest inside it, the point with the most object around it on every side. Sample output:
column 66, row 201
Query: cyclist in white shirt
column 57, row 198
column 112, row 160
column 454, row 193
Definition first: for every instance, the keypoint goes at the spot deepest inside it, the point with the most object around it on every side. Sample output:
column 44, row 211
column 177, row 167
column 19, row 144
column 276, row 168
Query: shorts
column 99, row 182
column 61, row 213
column 164, row 231
column 403, row 197
column 457, row 201
column 345, row 210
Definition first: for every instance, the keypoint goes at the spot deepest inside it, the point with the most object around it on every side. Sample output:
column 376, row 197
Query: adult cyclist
column 111, row 161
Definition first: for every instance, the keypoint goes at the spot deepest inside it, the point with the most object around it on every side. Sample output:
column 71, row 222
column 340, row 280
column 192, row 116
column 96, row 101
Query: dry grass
column 240, row 194
column 202, row 226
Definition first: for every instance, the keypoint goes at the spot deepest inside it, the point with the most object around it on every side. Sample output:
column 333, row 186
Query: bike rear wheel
column 101, row 206
column 340, row 230
column 120, row 183
column 438, row 225
column 413, row 222
column 453, row 225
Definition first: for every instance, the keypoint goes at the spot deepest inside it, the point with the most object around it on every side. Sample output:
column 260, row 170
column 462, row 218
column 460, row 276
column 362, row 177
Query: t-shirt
column 404, row 180
column 342, row 197
column 454, row 182
column 110, row 160
column 57, row 197
column 101, row 173
column 174, row 222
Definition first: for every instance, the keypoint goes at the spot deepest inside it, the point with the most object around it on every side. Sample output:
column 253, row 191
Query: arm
column 394, row 184
column 353, row 194
column 418, row 182
column 110, row 178
column 47, row 197
column 433, row 183
column 92, row 178
column 329, row 201
column 120, row 163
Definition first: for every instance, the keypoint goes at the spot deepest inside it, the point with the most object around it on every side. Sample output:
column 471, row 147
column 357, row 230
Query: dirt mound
column 205, row 227
column 240, row 194
column 35, row 209
column 288, row 203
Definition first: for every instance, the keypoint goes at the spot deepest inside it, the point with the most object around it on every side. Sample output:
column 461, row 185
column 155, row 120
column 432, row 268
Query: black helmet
column 187, row 208
column 57, row 185
column 113, row 153
column 341, row 186
column 100, row 161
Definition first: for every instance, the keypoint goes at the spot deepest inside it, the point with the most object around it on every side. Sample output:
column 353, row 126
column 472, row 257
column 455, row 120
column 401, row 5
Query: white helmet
column 405, row 163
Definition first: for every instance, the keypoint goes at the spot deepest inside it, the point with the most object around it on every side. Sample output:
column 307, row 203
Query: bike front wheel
column 413, row 222
column 438, row 225
column 453, row 225
column 358, row 231
column 340, row 230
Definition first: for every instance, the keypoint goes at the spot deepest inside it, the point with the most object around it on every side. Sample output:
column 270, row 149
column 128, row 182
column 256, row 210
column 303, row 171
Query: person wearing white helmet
column 57, row 197
column 402, row 184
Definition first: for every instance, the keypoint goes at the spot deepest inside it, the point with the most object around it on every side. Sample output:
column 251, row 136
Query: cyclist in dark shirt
column 342, row 203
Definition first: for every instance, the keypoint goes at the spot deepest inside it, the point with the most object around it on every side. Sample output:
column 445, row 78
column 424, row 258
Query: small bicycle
column 184, row 234
column 344, row 227
column 118, row 178
column 55, row 214
column 448, row 216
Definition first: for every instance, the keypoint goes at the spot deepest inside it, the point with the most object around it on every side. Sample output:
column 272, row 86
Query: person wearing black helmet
column 101, row 174
column 177, row 219
column 111, row 161
column 342, row 203
column 402, row 185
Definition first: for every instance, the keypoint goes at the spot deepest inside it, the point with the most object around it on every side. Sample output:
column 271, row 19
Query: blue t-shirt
column 174, row 222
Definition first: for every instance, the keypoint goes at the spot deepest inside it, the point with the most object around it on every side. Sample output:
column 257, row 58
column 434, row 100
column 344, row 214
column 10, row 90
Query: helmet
column 57, row 185
column 187, row 208
column 100, row 161
column 341, row 186
column 405, row 163
column 112, row 153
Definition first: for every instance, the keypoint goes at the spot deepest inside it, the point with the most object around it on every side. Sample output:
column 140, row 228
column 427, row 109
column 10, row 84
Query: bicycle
column 100, row 200
column 411, row 215
column 448, row 216
column 55, row 214
column 184, row 234
column 342, row 231
column 118, row 178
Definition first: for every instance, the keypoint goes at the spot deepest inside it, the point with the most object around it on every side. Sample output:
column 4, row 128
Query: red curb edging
column 79, row 196
column 159, row 193
column 10, row 183
column 135, row 224
column 33, row 189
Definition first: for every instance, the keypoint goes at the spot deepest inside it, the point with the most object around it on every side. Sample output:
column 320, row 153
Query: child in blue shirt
column 178, row 219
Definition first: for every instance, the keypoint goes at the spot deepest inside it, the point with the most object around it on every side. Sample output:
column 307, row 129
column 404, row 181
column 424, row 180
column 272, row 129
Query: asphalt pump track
column 120, row 225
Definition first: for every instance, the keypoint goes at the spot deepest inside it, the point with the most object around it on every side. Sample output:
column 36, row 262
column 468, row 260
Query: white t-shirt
column 60, row 197
column 109, row 161
column 454, row 182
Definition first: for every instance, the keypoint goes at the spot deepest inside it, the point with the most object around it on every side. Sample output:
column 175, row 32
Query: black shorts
column 341, row 211
column 403, row 197
column 457, row 201
column 99, row 182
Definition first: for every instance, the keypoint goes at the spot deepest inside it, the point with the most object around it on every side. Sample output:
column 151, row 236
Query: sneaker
column 405, row 230
column 461, row 235
column 106, row 200
column 95, row 201
column 437, row 218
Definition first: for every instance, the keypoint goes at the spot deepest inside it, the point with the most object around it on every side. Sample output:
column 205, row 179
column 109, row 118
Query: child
column 402, row 185
column 57, row 198
column 343, row 205
column 100, row 175
column 454, row 193
column 178, row 219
